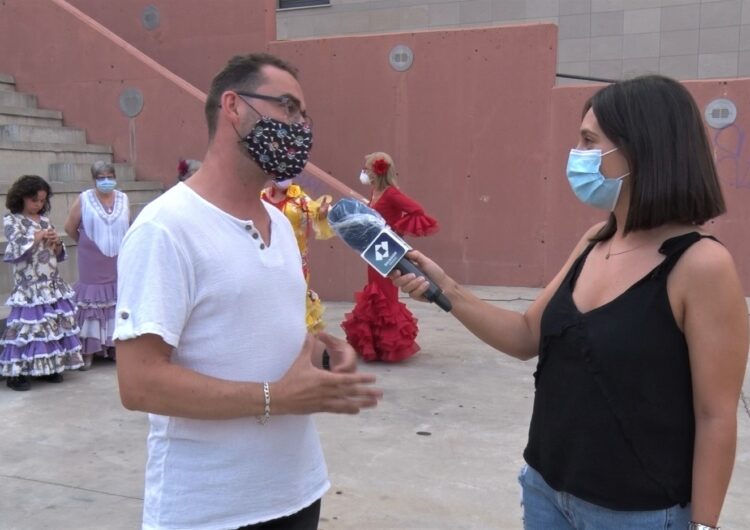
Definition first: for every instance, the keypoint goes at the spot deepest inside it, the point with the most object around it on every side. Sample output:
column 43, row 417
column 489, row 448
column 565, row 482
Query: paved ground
column 441, row 452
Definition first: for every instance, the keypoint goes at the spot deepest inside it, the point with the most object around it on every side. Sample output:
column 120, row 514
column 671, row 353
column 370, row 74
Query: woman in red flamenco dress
column 380, row 328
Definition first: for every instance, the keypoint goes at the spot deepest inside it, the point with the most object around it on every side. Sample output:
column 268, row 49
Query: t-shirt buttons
column 255, row 235
column 124, row 315
column 262, row 246
column 249, row 227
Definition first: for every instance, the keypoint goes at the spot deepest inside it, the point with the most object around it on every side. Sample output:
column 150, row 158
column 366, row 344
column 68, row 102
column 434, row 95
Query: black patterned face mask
column 280, row 149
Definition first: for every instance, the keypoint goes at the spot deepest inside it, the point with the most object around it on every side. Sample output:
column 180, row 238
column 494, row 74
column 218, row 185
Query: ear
column 229, row 104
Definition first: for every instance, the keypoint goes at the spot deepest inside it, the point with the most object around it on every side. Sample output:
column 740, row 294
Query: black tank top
column 613, row 417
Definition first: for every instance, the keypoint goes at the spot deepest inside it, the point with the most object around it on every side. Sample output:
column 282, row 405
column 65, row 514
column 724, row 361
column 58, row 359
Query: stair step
column 10, row 98
column 30, row 116
column 6, row 145
column 81, row 172
column 7, row 82
column 30, row 158
column 42, row 134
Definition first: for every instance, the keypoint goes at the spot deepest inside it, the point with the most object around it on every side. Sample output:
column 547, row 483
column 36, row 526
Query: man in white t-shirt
column 210, row 325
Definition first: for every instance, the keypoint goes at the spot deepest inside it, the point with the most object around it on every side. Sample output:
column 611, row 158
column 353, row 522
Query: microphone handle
column 433, row 293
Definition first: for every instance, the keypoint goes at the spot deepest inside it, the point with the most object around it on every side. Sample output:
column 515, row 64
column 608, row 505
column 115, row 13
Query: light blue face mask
column 588, row 183
column 106, row 185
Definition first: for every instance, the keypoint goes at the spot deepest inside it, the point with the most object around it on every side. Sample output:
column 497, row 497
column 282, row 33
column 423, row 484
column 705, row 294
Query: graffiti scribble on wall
column 732, row 156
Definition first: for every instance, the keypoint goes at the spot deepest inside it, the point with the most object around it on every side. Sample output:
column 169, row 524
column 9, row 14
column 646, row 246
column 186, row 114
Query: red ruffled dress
column 380, row 328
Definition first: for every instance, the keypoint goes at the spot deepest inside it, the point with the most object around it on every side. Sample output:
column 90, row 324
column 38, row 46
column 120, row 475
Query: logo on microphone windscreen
column 385, row 251
column 381, row 251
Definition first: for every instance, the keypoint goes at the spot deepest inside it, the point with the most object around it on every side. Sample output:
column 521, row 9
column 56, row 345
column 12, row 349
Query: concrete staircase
column 34, row 141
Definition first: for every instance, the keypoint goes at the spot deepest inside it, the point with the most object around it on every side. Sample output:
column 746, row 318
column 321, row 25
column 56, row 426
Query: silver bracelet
column 698, row 526
column 267, row 404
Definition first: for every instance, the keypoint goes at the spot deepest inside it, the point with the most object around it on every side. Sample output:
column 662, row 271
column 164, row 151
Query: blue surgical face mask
column 588, row 183
column 106, row 185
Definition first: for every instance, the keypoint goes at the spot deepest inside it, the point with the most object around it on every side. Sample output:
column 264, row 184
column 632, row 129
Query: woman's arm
column 412, row 218
column 403, row 202
column 516, row 334
column 126, row 205
column 318, row 215
column 716, row 328
column 74, row 219
column 21, row 245
column 55, row 243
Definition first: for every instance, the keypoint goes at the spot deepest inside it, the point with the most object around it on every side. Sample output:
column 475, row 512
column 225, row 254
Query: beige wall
column 685, row 39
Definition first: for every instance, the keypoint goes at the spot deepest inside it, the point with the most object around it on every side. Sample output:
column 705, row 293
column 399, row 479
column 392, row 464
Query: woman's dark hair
column 25, row 187
column 659, row 129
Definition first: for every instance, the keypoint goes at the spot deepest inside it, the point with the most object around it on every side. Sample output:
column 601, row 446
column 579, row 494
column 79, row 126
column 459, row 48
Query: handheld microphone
column 365, row 230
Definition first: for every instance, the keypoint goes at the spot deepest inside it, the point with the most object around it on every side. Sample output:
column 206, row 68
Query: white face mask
column 284, row 184
column 364, row 178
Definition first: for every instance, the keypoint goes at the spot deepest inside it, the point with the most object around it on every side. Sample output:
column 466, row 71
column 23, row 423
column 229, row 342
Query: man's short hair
column 241, row 72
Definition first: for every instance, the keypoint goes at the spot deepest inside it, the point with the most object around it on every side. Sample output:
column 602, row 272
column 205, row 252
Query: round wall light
column 131, row 102
column 150, row 17
column 720, row 113
column 401, row 57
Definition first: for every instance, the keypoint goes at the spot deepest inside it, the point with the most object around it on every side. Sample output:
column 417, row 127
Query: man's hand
column 342, row 355
column 306, row 389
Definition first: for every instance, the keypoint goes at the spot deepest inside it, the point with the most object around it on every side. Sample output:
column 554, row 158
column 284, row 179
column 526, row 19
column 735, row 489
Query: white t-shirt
column 198, row 277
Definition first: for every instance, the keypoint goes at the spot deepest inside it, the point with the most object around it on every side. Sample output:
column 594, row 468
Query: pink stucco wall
column 566, row 219
column 732, row 153
column 467, row 126
column 194, row 38
column 73, row 66
column 478, row 131
column 480, row 136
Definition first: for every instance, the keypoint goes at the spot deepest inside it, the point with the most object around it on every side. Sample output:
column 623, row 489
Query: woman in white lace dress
column 98, row 220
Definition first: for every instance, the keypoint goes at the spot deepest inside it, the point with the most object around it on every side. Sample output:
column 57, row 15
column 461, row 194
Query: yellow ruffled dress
column 304, row 214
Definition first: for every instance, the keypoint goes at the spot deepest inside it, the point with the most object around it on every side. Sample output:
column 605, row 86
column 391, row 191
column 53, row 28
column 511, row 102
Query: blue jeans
column 547, row 509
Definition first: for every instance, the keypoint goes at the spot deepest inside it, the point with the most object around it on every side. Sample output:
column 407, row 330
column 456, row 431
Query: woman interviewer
column 641, row 337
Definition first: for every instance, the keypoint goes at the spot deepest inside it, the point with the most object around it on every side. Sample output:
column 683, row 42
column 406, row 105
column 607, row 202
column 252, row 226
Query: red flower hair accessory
column 380, row 167
column 182, row 168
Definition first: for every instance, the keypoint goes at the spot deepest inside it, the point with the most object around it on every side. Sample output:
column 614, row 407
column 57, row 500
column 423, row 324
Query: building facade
column 613, row 39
